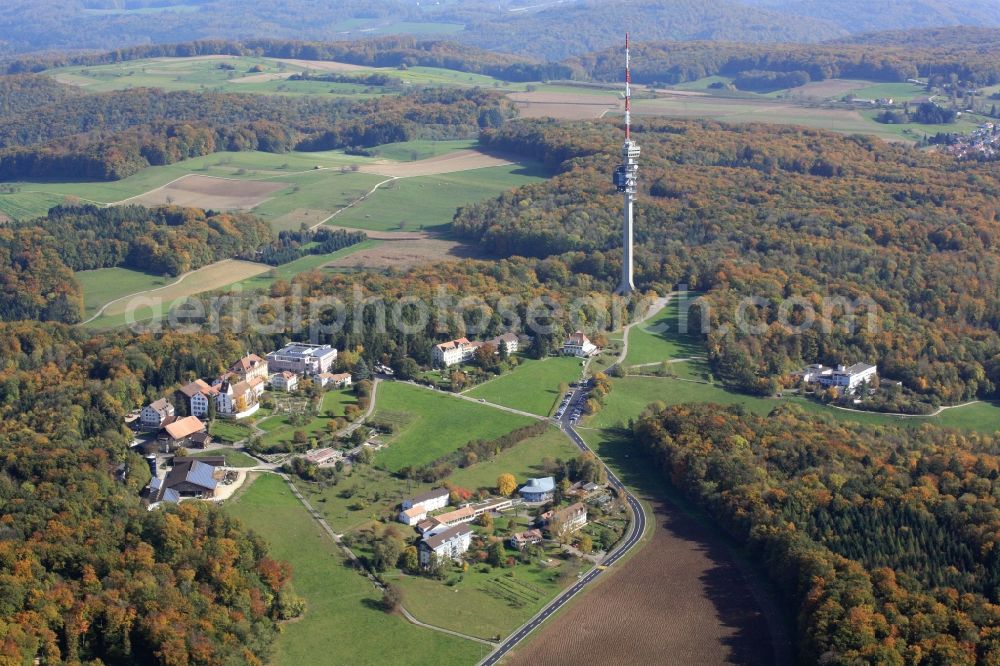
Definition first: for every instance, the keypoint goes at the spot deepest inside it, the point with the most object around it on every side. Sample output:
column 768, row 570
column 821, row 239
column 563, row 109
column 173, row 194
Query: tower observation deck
column 625, row 178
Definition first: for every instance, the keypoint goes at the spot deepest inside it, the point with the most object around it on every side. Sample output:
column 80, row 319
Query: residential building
column 495, row 505
column 450, row 543
column 538, row 490
column 579, row 345
column 454, row 351
column 425, row 526
column 432, row 500
column 235, row 399
column 197, row 395
column 302, row 358
column 413, row 515
column 179, row 432
column 522, row 539
column 464, row 515
column 250, row 367
column 333, row 380
column 508, row 342
column 156, row 413
column 566, row 521
column 285, row 381
column 843, row 379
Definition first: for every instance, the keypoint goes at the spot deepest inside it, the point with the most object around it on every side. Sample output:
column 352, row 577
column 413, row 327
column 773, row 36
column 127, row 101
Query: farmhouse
column 156, row 413
column 432, row 500
column 250, row 367
column 189, row 478
column 843, row 379
column 579, row 345
column 451, row 543
column 197, row 395
column 522, row 539
column 538, row 490
column 454, row 351
column 302, row 358
column 338, row 380
column 179, row 432
column 285, row 381
column 565, row 521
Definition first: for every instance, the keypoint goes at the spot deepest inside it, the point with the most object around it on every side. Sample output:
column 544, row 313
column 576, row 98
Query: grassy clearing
column 900, row 92
column 419, row 149
column 229, row 431
column 533, row 386
column 342, row 624
column 430, row 202
column 660, row 337
column 233, row 458
column 432, row 424
column 107, row 284
column 280, row 429
column 303, row 265
column 369, row 493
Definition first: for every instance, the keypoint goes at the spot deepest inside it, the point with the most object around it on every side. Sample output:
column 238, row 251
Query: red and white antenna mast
column 628, row 92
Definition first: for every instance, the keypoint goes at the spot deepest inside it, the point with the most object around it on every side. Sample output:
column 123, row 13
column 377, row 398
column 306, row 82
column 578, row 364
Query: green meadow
column 531, row 387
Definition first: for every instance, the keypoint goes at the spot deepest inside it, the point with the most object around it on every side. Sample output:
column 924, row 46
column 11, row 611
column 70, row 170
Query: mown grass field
column 429, row 202
column 524, row 461
column 431, row 424
column 107, row 284
column 531, row 387
column 229, row 431
column 342, row 624
column 660, row 337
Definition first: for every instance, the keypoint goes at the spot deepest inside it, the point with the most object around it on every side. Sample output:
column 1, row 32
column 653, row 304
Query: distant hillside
column 871, row 15
column 965, row 37
column 563, row 31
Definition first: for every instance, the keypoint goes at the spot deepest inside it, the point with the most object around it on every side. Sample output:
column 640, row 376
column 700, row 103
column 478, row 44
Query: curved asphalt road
column 638, row 527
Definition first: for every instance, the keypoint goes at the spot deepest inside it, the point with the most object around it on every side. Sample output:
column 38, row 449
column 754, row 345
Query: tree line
column 883, row 540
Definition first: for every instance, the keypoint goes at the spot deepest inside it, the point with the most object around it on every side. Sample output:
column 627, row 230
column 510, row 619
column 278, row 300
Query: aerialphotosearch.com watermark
column 316, row 317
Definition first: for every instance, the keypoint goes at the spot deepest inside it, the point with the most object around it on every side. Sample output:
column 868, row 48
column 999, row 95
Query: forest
column 905, row 236
column 937, row 55
column 884, row 540
column 113, row 135
column 87, row 573
column 38, row 257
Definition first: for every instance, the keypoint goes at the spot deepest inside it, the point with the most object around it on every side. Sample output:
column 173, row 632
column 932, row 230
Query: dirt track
column 680, row 600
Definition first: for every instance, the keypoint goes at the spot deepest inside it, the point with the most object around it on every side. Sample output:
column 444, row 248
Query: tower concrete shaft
column 625, row 178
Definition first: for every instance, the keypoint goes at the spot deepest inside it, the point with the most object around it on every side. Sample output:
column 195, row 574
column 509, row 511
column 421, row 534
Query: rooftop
column 447, row 535
column 303, row 349
column 184, row 427
column 544, row 485
column 191, row 471
column 194, row 388
column 453, row 344
column 247, row 363
column 429, row 495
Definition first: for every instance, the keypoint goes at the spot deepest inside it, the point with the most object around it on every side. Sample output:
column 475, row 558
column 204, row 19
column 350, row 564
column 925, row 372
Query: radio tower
column 625, row 180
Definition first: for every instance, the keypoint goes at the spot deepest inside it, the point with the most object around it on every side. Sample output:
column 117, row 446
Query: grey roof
column 441, row 537
column 191, row 471
column 858, row 368
column 429, row 495
column 544, row 485
column 303, row 349
column 171, row 495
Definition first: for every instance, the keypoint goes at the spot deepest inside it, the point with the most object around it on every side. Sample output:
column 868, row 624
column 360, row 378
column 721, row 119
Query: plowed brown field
column 211, row 192
column 680, row 600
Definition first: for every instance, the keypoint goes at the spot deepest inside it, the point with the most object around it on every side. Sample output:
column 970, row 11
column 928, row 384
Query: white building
column 432, row 500
column 454, row 351
column 566, row 521
column 338, row 380
column 156, row 413
column 844, row 379
column 197, row 394
column 413, row 515
column 236, row 399
column 579, row 345
column 508, row 342
column 302, row 358
column 285, row 381
column 450, row 543
column 250, row 367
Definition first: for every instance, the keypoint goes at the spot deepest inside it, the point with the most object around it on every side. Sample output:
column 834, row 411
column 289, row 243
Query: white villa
column 578, row 345
column 250, row 367
column 509, row 342
column 415, row 509
column 197, row 394
column 454, row 351
column 450, row 542
column 285, row 381
column 302, row 358
column 338, row 380
column 566, row 521
column 844, row 379
column 236, row 399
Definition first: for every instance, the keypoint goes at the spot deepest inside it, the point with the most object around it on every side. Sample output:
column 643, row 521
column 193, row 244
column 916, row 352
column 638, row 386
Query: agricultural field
column 262, row 76
column 431, row 424
column 571, row 104
column 229, row 431
column 531, row 387
column 429, row 202
column 339, row 602
column 209, row 192
column 104, row 285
